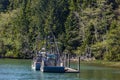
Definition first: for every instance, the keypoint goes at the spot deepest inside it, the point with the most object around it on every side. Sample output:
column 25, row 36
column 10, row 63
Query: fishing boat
column 49, row 58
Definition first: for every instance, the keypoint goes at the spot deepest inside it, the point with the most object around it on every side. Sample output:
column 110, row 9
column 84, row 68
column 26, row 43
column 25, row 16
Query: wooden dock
column 70, row 70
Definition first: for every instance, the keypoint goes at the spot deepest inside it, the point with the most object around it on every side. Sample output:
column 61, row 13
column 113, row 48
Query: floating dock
column 71, row 70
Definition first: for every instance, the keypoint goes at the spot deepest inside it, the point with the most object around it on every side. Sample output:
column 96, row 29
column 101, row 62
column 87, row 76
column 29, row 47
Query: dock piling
column 68, row 60
column 79, row 63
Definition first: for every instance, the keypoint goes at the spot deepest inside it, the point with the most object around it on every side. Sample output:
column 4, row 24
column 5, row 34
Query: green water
column 12, row 69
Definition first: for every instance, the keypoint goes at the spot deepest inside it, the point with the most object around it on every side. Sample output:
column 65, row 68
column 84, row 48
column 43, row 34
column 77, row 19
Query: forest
column 82, row 27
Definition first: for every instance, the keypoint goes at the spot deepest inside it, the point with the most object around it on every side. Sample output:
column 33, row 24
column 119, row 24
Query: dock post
column 68, row 60
column 79, row 63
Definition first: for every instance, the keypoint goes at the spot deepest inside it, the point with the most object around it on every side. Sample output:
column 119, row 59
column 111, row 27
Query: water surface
column 12, row 69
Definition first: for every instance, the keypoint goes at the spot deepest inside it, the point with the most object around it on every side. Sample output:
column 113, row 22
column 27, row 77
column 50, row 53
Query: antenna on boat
column 54, row 40
column 56, row 47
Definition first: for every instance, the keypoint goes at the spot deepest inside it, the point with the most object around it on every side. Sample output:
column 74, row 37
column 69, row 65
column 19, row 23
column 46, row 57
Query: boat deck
column 70, row 70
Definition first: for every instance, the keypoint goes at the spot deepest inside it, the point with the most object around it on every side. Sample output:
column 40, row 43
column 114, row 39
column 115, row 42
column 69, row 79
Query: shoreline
column 17, row 58
column 99, row 63
column 13, row 58
column 91, row 62
column 103, row 63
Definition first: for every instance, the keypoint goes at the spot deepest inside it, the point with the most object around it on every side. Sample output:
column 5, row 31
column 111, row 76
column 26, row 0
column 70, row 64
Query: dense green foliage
column 82, row 27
